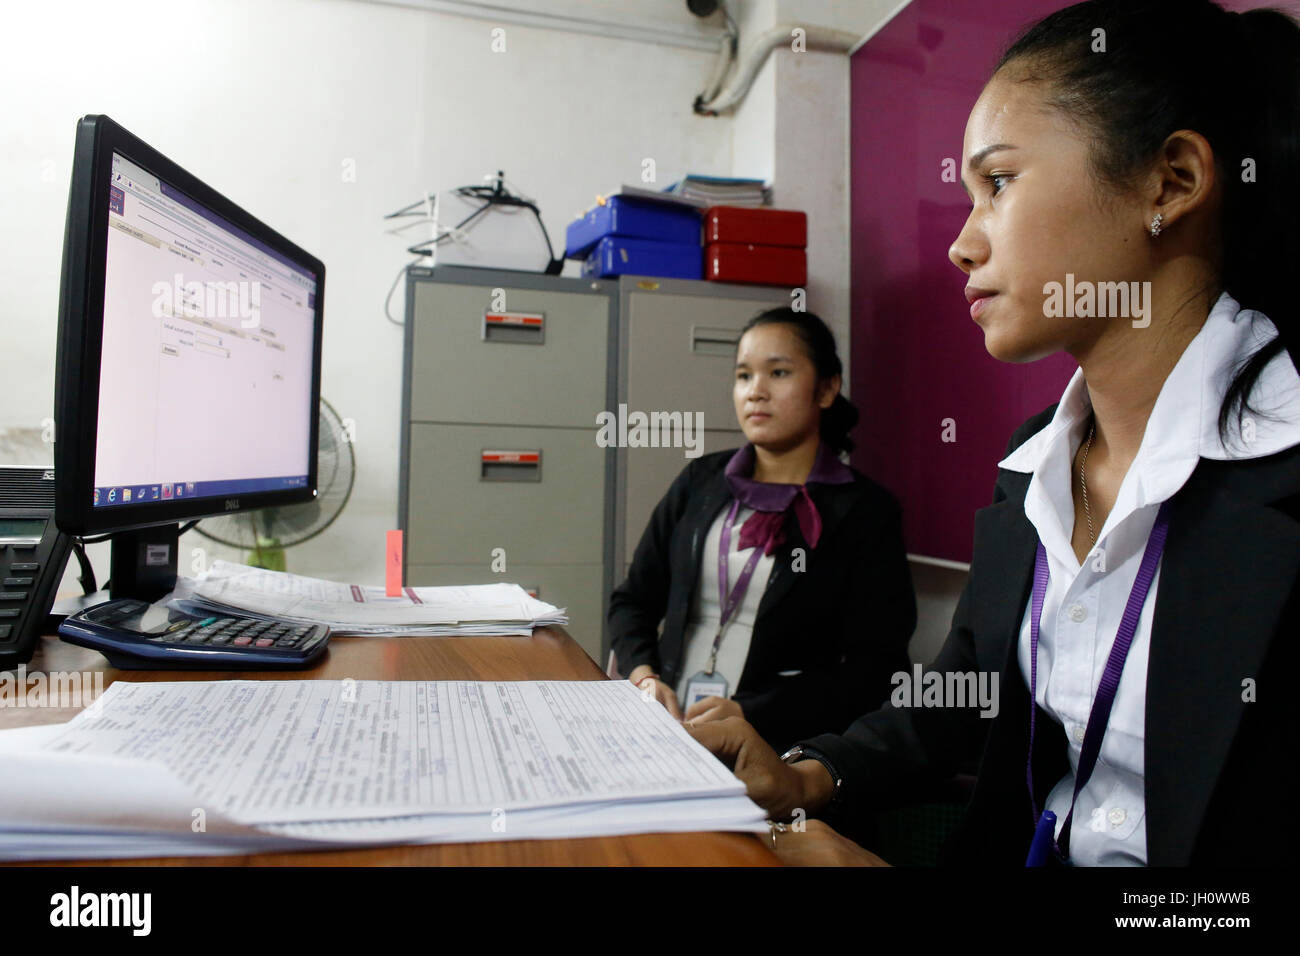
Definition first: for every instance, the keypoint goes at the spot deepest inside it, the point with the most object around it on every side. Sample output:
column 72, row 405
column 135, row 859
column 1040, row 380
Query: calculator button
column 199, row 637
column 25, row 566
column 4, row 630
column 13, row 595
column 242, row 641
column 178, row 626
column 9, row 612
column 220, row 640
column 263, row 642
column 18, row 581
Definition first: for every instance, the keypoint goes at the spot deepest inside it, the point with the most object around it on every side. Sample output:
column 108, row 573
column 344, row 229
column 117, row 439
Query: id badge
column 701, row 686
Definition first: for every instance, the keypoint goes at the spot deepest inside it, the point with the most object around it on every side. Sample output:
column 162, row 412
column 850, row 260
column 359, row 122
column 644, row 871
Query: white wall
column 270, row 100
column 266, row 100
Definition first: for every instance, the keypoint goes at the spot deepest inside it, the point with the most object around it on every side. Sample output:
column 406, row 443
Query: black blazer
column 1220, row 772
column 843, row 621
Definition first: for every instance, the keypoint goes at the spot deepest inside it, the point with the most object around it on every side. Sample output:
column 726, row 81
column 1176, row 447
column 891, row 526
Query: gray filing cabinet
column 679, row 352
column 504, row 375
column 567, row 512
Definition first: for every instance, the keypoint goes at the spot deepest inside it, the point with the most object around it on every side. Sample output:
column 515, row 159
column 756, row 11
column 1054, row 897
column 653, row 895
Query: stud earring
column 1155, row 224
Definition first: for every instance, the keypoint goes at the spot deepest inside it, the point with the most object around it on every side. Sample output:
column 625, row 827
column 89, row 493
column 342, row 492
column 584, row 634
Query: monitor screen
column 188, row 377
column 206, row 362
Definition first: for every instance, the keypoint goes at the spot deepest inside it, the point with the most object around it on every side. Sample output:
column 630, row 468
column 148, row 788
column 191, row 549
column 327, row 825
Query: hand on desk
column 781, row 789
column 820, row 845
column 777, row 787
column 644, row 679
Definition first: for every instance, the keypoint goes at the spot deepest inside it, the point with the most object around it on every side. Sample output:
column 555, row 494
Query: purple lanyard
column 1099, row 716
column 731, row 601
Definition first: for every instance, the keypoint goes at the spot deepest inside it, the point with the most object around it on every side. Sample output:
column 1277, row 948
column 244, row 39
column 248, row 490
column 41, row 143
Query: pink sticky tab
column 393, row 565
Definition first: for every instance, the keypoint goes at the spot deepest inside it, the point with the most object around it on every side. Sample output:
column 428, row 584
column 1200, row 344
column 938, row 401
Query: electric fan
column 265, row 534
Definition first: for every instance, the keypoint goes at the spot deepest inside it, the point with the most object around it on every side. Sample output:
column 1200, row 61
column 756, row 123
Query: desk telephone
column 33, row 553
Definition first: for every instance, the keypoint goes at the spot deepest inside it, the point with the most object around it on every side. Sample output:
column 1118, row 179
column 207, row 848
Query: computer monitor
column 189, row 353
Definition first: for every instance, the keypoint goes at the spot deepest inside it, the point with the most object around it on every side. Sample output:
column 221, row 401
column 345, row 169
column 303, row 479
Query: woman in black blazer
column 824, row 621
column 1134, row 588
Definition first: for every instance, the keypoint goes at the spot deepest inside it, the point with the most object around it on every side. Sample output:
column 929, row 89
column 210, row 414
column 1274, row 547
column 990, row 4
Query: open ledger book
column 218, row 767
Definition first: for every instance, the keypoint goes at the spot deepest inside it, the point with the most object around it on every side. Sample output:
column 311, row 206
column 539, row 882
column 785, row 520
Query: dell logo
column 232, row 504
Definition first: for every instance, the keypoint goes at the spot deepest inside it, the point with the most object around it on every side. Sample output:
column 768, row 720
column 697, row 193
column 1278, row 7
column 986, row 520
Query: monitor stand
column 143, row 562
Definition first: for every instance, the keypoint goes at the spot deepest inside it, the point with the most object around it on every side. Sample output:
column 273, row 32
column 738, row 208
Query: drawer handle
column 519, row 328
column 498, row 465
column 706, row 340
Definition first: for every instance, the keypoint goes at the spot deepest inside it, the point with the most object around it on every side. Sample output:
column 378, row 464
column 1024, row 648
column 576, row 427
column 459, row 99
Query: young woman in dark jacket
column 818, row 606
column 1135, row 584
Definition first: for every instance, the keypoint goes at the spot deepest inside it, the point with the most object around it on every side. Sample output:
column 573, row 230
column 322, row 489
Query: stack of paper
column 201, row 768
column 651, row 195
column 723, row 191
column 354, row 609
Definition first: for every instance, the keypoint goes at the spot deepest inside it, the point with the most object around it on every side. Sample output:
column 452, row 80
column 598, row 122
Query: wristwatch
column 799, row 752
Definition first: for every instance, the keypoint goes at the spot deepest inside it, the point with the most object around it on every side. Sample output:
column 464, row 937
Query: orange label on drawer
column 530, row 319
column 513, row 457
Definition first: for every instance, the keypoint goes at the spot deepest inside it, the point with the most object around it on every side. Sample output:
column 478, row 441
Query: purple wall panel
column 917, row 356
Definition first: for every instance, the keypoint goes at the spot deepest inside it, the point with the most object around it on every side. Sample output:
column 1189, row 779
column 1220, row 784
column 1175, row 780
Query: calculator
column 135, row 635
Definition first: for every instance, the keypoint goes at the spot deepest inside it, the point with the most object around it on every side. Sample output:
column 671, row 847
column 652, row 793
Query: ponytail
column 1260, row 243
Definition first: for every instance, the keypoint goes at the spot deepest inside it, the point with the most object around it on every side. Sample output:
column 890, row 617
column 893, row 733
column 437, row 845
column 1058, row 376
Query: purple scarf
column 772, row 501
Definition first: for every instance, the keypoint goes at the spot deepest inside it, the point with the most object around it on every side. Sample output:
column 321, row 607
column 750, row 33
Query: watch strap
column 799, row 752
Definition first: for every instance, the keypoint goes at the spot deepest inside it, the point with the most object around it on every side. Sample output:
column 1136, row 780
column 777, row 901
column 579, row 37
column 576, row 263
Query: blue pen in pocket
column 1044, row 835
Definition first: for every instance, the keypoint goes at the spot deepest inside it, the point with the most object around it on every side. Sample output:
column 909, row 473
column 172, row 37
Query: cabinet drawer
column 547, row 367
column 681, row 352
column 542, row 499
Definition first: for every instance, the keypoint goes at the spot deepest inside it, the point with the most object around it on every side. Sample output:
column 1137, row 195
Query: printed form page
column 285, row 751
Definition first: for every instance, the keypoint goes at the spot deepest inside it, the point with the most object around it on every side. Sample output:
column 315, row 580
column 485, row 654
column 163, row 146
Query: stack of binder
column 760, row 246
column 633, row 235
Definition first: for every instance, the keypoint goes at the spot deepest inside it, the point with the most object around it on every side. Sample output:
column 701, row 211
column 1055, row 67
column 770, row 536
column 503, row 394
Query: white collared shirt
column 1083, row 604
column 706, row 608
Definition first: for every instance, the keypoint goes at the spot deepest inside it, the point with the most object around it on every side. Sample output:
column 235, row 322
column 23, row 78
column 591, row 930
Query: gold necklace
column 1083, row 480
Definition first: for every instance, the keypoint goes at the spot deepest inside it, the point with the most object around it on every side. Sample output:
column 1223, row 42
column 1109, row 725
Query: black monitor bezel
column 80, row 336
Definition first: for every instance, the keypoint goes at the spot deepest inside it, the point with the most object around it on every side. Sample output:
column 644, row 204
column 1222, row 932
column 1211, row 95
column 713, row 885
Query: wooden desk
column 550, row 654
